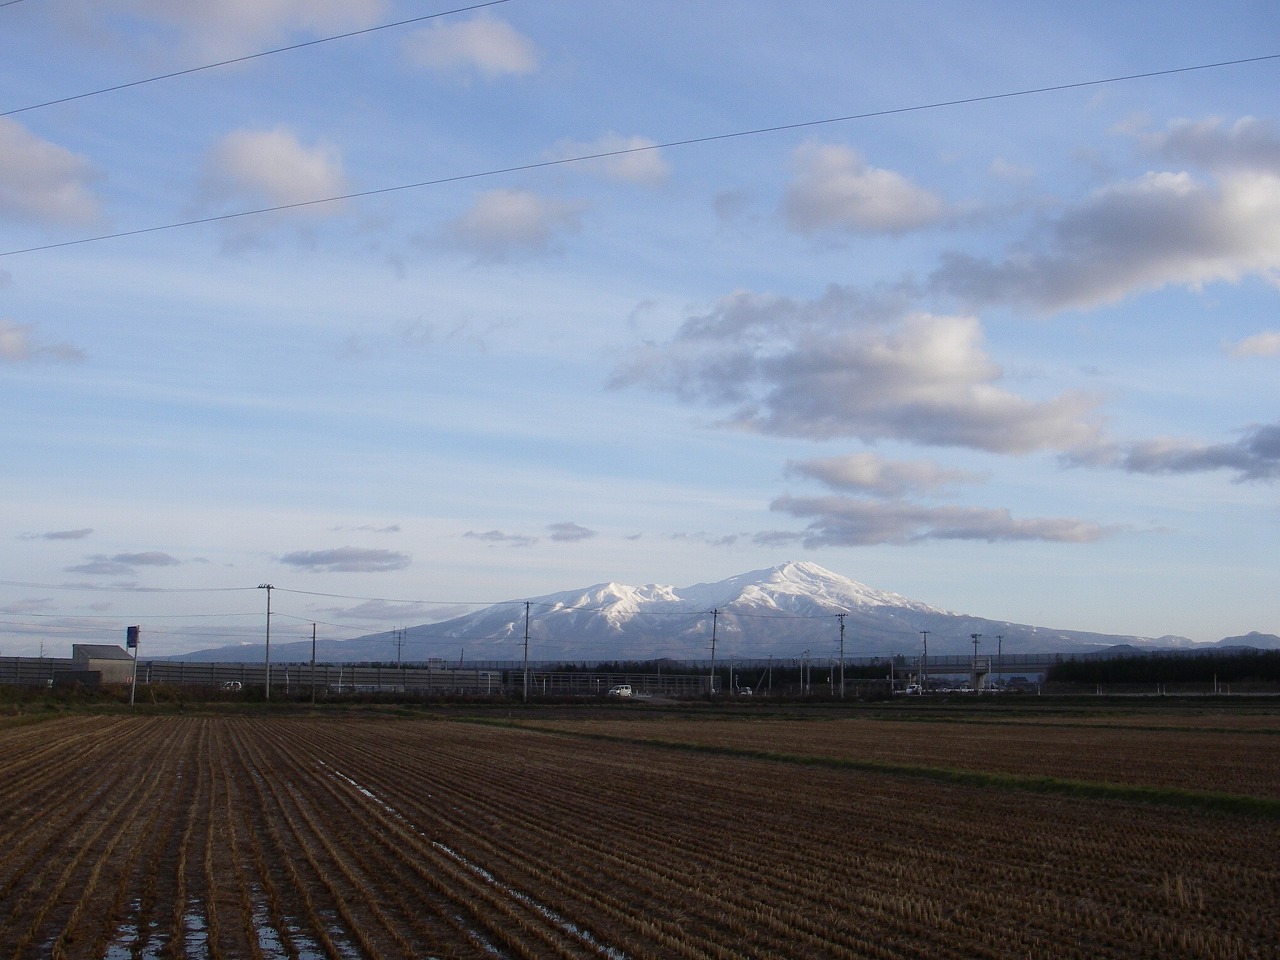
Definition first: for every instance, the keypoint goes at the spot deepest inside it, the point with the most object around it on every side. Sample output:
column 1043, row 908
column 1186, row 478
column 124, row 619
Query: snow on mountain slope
column 792, row 609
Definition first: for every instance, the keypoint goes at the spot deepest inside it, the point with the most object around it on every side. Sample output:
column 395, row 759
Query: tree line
column 1236, row 666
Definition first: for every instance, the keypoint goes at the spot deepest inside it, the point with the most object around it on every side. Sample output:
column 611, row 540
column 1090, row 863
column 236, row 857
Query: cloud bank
column 123, row 564
column 849, row 521
column 570, row 532
column 347, row 560
column 1161, row 229
column 832, row 369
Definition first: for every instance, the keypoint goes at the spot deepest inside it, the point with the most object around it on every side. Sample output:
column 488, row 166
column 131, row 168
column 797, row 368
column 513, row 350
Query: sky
column 405, row 308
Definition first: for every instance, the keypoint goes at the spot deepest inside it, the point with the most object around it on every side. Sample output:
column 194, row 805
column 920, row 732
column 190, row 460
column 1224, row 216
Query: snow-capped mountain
column 784, row 611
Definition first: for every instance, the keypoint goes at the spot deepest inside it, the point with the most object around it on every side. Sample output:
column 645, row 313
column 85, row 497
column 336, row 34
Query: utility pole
column 267, row 688
column 924, row 662
column 1000, row 657
column 313, row 664
column 526, row 651
column 841, row 617
column 715, row 615
column 975, row 637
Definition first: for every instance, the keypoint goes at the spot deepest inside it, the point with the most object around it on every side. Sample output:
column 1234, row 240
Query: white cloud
column 1162, row 229
column 42, row 182
column 869, row 473
column 850, row 521
column 835, row 189
column 17, row 345
column 272, row 167
column 502, row 224
column 636, row 159
column 1264, row 344
column 834, row 368
column 485, row 45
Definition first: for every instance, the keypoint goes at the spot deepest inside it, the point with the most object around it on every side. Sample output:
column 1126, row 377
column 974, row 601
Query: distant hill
column 1259, row 641
column 783, row 611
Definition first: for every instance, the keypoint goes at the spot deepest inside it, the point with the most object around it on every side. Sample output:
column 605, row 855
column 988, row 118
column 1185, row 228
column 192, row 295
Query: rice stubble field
column 309, row 836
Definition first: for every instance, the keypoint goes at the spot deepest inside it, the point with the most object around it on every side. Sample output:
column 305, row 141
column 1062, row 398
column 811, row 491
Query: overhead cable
column 120, row 589
column 245, row 58
column 606, row 154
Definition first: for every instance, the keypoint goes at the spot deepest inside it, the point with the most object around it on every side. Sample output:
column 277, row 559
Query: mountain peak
column 776, row 611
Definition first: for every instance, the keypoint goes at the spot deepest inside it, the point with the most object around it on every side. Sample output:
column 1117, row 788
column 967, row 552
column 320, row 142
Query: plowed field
column 315, row 837
column 1229, row 753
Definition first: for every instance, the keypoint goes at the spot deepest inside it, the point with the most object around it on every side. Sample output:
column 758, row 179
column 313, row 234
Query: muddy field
column 1231, row 751
column 313, row 836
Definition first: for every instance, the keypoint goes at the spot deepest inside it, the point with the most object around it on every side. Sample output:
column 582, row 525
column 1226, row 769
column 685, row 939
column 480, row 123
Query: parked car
column 621, row 690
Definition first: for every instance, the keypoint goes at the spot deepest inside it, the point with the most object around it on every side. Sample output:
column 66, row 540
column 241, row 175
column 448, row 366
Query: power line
column 345, row 596
column 245, row 58
column 90, row 586
column 98, row 618
column 670, row 144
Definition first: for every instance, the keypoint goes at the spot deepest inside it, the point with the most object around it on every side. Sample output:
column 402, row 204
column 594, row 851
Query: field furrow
column 308, row 837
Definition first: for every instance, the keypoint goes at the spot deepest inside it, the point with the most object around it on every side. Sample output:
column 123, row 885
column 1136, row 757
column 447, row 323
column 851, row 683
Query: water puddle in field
column 271, row 944
column 131, row 943
column 195, row 931
column 297, row 945
column 613, row 953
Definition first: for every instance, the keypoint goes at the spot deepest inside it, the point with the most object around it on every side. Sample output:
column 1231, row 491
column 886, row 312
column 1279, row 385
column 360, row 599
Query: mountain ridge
column 794, row 608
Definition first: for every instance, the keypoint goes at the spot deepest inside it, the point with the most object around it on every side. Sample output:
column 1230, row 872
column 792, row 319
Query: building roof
column 99, row 651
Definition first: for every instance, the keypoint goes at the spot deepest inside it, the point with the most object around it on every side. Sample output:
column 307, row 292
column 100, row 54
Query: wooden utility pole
column 526, row 651
column 267, row 684
column 715, row 615
column 841, row 616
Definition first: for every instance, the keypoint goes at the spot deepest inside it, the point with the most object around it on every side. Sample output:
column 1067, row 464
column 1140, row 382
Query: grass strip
column 1037, row 720
column 1201, row 800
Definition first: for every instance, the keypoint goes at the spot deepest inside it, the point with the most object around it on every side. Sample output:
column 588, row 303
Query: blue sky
column 1015, row 357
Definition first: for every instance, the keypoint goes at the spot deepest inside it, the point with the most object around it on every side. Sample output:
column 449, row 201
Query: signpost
column 131, row 642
